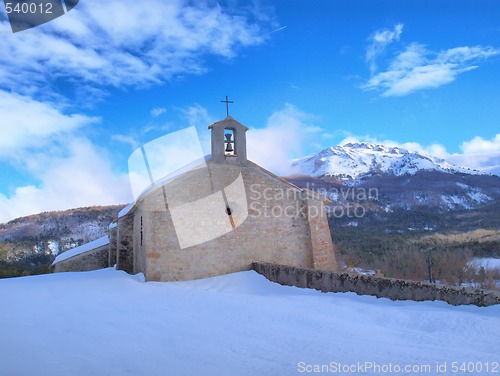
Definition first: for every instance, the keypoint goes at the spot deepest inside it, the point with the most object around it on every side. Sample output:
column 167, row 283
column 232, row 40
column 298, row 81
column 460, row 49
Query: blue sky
column 80, row 93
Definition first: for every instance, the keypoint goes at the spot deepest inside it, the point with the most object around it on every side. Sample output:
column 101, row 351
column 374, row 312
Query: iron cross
column 227, row 101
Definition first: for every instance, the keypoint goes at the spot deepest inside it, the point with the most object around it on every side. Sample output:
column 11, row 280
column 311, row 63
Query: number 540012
column 475, row 367
column 24, row 8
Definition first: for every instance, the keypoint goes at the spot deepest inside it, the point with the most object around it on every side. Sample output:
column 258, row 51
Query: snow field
column 109, row 323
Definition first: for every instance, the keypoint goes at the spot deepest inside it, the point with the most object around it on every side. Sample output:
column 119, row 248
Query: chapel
column 217, row 217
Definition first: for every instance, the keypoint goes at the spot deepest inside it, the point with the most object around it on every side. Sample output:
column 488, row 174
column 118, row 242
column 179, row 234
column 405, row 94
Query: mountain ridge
column 356, row 160
column 403, row 179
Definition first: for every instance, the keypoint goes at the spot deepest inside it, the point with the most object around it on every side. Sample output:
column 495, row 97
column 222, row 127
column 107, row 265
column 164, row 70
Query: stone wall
column 124, row 244
column 321, row 239
column 394, row 289
column 113, row 234
column 90, row 260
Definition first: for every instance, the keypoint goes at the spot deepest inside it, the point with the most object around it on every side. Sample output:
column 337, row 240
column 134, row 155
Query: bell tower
column 229, row 142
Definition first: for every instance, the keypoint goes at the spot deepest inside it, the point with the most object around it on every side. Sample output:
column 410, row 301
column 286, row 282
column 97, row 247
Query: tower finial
column 227, row 101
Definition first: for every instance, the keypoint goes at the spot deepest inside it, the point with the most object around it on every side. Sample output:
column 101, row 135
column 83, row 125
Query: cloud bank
column 479, row 145
column 124, row 43
column 78, row 174
column 287, row 134
column 26, row 123
column 98, row 45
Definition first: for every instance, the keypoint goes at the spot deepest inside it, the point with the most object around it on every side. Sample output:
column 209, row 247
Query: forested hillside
column 28, row 245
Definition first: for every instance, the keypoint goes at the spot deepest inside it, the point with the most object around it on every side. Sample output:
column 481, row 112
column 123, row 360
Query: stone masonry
column 381, row 287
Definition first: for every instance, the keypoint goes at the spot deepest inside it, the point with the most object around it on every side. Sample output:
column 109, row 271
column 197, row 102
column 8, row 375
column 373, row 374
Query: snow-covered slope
column 109, row 323
column 358, row 159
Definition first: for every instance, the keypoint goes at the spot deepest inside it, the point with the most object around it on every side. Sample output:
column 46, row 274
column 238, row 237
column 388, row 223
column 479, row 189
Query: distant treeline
column 30, row 265
column 409, row 255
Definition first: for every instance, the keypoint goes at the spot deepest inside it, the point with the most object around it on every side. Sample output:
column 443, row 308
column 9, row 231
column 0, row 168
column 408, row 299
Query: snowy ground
column 487, row 263
column 109, row 323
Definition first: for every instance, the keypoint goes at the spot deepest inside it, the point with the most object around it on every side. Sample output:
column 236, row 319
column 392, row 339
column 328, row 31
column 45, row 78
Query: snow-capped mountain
column 355, row 160
column 402, row 179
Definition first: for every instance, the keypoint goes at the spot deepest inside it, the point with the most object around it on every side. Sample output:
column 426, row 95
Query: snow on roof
column 82, row 249
column 126, row 209
column 113, row 225
column 194, row 165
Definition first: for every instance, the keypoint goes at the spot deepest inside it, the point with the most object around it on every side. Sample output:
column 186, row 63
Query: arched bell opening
column 229, row 143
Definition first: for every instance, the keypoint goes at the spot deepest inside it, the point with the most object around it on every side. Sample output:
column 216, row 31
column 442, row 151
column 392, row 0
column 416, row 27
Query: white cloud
column 481, row 154
column 479, row 145
column 28, row 123
column 198, row 116
column 82, row 175
column 379, row 41
column 486, row 162
column 416, row 68
column 123, row 43
column 41, row 141
column 287, row 133
column 126, row 139
column 155, row 112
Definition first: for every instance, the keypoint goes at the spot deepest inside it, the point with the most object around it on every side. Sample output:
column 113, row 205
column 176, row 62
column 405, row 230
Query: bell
column 229, row 142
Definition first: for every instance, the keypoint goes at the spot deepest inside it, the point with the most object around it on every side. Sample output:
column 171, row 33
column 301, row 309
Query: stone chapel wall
column 322, row 247
column 277, row 230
